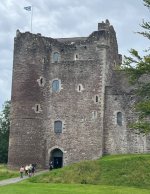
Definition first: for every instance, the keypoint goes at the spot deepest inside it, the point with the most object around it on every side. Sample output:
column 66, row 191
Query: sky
column 67, row 18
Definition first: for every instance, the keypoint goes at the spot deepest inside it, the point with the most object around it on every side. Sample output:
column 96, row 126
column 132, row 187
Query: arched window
column 56, row 86
column 56, row 57
column 119, row 118
column 58, row 126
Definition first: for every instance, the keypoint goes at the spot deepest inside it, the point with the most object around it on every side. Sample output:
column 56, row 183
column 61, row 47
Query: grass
column 120, row 174
column 122, row 170
column 5, row 173
column 39, row 188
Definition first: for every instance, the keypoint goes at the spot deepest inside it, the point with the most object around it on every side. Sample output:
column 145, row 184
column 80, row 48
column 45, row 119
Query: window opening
column 55, row 86
column 79, row 88
column 56, row 57
column 76, row 56
column 37, row 108
column 58, row 126
column 96, row 99
column 94, row 114
column 119, row 118
column 41, row 81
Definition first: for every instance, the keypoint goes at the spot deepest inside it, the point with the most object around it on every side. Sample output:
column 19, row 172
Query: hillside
column 119, row 170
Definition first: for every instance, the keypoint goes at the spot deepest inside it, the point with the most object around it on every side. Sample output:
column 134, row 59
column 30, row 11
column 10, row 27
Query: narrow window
column 96, row 98
column 55, row 86
column 41, row 81
column 94, row 114
column 76, row 57
column 119, row 118
column 58, row 126
column 79, row 88
column 37, row 108
column 56, row 57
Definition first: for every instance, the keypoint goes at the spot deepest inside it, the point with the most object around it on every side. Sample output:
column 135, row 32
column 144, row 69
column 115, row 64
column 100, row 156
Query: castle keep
column 69, row 103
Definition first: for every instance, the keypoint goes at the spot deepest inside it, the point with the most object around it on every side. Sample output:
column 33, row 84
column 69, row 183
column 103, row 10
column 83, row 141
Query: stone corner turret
column 104, row 25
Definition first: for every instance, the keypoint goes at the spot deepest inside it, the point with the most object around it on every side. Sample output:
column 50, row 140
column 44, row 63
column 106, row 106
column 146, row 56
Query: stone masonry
column 69, row 103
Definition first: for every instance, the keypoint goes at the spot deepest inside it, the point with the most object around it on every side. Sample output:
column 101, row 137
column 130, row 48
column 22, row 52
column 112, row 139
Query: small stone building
column 69, row 101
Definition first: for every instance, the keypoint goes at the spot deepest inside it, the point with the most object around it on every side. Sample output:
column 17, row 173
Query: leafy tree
column 4, row 132
column 138, row 69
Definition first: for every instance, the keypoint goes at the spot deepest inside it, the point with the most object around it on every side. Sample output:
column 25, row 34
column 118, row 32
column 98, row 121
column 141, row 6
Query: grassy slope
column 5, row 173
column 122, row 170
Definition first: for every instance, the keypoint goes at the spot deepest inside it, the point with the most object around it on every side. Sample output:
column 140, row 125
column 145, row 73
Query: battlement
column 104, row 25
column 104, row 31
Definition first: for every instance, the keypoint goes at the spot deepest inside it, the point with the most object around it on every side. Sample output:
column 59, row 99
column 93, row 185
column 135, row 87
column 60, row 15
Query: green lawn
column 120, row 174
column 120, row 170
column 5, row 173
column 39, row 188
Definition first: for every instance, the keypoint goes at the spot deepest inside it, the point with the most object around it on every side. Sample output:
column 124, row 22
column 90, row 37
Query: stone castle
column 69, row 101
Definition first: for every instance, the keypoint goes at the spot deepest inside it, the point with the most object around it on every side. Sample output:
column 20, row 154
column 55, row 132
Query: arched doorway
column 57, row 157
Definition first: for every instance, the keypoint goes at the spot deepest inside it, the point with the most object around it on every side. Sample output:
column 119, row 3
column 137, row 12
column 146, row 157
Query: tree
column 4, row 132
column 138, row 69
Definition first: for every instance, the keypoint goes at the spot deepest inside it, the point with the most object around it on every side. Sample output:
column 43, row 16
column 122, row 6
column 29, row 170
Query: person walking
column 21, row 171
column 26, row 169
column 33, row 169
column 30, row 170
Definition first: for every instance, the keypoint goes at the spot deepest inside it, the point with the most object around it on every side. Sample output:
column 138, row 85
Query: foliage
column 4, row 132
column 110, row 170
column 138, row 70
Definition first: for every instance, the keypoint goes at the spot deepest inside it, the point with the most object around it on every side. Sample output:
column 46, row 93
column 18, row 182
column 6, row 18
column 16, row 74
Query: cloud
column 65, row 18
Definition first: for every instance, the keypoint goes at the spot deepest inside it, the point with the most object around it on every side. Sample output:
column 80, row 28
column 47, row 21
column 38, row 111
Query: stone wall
column 90, row 95
column 120, row 98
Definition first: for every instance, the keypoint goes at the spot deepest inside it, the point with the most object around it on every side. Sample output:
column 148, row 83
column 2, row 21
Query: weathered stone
column 90, row 94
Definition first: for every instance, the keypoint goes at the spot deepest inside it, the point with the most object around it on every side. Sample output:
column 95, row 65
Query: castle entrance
column 57, row 158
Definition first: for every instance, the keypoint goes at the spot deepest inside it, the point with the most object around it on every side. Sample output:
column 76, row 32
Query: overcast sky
column 66, row 18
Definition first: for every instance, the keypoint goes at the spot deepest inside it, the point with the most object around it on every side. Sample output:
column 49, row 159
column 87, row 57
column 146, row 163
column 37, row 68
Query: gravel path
column 18, row 179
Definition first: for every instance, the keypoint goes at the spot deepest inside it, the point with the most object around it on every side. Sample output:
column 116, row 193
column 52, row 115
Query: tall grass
column 5, row 173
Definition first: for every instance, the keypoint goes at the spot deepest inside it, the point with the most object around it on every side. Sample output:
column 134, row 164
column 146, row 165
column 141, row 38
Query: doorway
column 57, row 158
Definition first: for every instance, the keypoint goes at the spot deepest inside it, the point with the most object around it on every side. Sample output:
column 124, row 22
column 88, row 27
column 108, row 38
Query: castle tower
column 58, row 94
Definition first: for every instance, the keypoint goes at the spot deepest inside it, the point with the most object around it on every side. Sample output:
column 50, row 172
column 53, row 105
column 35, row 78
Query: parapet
column 104, row 25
